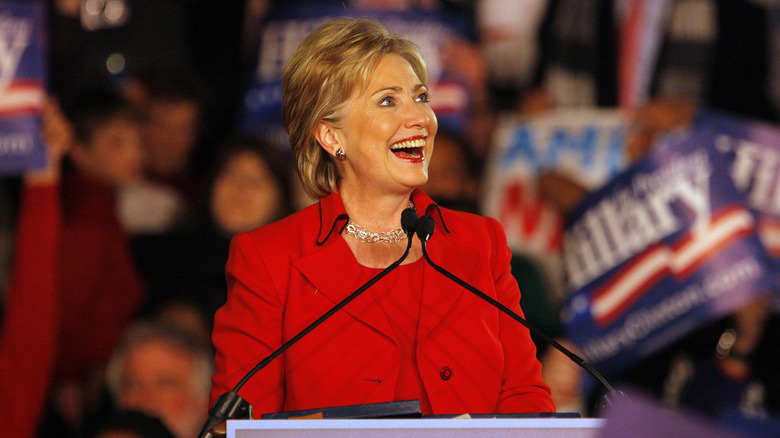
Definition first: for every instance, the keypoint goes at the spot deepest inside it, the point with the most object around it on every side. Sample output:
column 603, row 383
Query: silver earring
column 340, row 154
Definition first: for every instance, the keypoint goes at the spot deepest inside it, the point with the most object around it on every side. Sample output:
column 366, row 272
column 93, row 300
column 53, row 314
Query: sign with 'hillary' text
column 664, row 248
column 752, row 149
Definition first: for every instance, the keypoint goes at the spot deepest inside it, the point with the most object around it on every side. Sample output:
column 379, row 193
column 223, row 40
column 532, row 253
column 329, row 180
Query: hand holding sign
column 57, row 135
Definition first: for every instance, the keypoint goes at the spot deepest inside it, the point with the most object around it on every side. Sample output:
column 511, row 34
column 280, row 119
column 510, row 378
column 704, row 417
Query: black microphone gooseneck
column 229, row 404
column 425, row 227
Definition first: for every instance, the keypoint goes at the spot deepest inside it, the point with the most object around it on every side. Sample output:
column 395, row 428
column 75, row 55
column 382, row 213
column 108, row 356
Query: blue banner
column 664, row 248
column 23, row 51
column 752, row 149
column 288, row 23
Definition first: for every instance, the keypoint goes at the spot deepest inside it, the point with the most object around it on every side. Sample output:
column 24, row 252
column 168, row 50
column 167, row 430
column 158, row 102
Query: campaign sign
column 288, row 23
column 753, row 151
column 664, row 248
column 586, row 145
column 22, row 85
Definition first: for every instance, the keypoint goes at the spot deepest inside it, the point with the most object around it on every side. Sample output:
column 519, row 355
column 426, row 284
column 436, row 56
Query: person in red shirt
column 72, row 244
column 30, row 322
column 356, row 110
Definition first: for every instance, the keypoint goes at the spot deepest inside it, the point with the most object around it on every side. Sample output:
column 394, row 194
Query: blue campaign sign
column 288, row 23
column 752, row 149
column 22, row 84
column 664, row 248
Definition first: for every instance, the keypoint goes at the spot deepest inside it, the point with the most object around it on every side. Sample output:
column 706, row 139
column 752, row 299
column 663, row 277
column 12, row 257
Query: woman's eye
column 386, row 101
column 424, row 97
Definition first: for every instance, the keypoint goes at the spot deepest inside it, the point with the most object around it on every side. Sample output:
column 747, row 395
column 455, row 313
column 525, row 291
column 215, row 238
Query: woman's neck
column 376, row 213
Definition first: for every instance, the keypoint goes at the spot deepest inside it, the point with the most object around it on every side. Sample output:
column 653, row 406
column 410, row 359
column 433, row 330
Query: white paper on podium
column 429, row 428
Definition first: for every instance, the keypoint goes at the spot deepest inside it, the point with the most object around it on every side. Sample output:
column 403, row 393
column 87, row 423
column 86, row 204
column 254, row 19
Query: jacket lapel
column 333, row 270
column 335, row 273
column 440, row 293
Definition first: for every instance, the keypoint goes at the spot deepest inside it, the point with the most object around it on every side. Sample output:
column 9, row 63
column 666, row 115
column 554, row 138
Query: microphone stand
column 425, row 228
column 230, row 404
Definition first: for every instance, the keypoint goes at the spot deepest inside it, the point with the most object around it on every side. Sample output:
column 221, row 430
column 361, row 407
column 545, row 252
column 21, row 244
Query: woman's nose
column 417, row 115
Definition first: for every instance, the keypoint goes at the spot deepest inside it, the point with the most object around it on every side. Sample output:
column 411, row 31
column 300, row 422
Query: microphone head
column 425, row 227
column 409, row 221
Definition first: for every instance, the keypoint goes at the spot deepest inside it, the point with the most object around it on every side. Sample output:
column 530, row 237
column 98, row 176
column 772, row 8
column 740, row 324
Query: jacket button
column 445, row 373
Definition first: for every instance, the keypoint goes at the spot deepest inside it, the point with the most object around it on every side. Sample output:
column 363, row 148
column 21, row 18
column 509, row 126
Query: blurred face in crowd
column 159, row 380
column 114, row 153
column 388, row 130
column 245, row 194
column 170, row 133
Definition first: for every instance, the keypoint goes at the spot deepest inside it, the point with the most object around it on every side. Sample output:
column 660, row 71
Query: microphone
column 425, row 228
column 230, row 404
column 409, row 222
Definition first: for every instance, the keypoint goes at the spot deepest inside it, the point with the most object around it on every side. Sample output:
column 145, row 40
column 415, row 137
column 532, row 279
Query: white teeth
column 420, row 142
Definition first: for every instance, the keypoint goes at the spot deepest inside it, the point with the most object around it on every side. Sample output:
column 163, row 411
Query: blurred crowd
column 112, row 257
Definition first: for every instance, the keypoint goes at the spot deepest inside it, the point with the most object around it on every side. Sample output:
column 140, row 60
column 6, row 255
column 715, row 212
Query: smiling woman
column 386, row 135
column 356, row 108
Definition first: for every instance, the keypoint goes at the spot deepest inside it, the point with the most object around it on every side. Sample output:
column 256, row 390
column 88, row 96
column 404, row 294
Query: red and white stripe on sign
column 682, row 259
column 22, row 97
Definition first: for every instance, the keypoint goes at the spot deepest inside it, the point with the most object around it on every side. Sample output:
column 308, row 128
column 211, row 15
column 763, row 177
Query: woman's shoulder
column 483, row 234
column 463, row 224
column 286, row 232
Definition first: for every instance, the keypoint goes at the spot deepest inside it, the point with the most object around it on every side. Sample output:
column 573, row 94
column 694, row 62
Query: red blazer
column 471, row 357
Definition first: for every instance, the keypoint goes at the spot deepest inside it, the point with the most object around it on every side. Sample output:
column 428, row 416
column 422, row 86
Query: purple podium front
column 425, row 427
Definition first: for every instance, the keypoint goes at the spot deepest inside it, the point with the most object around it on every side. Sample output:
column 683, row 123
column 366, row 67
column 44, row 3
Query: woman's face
column 387, row 132
column 245, row 194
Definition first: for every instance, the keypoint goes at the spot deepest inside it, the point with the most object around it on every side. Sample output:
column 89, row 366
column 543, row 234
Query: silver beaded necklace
column 365, row 236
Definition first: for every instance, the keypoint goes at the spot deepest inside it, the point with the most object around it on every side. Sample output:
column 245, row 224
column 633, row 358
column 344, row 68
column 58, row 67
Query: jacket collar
column 334, row 218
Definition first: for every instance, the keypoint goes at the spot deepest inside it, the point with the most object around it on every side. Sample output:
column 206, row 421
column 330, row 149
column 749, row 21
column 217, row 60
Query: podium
column 419, row 427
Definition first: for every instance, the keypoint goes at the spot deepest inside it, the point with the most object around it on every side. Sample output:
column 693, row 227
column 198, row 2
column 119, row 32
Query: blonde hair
column 319, row 78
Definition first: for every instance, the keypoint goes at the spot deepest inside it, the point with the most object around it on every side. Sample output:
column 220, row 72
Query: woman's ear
column 327, row 136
